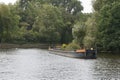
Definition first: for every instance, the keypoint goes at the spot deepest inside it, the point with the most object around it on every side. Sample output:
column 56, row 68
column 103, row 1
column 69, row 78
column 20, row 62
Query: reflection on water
column 107, row 67
column 36, row 64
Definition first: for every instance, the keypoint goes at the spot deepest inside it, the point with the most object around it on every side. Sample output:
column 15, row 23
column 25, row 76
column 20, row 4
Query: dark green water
column 37, row 64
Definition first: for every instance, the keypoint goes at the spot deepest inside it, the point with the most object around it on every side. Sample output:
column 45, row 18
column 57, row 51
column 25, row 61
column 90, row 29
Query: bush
column 72, row 46
column 63, row 46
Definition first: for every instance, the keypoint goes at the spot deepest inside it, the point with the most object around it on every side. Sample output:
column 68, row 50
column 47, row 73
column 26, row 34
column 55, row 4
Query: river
column 37, row 64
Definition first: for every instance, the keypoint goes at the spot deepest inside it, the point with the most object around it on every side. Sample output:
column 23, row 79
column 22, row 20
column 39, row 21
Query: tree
column 30, row 11
column 8, row 22
column 108, row 24
column 48, row 23
column 71, row 6
column 27, row 12
column 91, row 32
column 81, row 29
column 79, row 33
column 71, row 9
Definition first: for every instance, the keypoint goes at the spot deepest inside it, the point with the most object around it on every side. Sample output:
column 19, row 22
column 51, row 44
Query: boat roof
column 81, row 51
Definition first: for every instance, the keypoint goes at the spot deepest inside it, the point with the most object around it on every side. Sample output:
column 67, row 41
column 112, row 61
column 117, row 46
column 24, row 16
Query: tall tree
column 8, row 22
column 91, row 32
column 70, row 11
column 48, row 23
column 108, row 24
column 81, row 29
column 79, row 32
column 71, row 6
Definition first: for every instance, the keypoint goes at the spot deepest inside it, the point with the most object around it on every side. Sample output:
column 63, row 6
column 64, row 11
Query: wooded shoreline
column 61, row 22
column 37, row 45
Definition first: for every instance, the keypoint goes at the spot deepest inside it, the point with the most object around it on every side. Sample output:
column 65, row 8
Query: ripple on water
column 36, row 64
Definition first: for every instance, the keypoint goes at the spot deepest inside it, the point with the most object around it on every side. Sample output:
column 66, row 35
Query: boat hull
column 73, row 54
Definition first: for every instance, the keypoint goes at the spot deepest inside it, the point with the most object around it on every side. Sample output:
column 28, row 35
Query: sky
column 86, row 4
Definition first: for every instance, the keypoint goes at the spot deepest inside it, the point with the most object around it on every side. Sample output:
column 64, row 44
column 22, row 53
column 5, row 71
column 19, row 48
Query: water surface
column 37, row 64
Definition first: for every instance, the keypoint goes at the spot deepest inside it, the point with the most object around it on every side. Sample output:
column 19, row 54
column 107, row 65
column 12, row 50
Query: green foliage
column 108, row 24
column 8, row 22
column 71, row 6
column 50, row 18
column 79, row 32
column 59, row 21
column 91, row 32
column 63, row 47
column 72, row 46
column 48, row 22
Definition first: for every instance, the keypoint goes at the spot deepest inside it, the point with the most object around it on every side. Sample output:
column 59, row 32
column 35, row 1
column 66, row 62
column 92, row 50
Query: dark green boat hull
column 88, row 55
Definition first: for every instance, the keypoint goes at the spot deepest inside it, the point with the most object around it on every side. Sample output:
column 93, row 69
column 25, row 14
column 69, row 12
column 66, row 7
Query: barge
column 81, row 53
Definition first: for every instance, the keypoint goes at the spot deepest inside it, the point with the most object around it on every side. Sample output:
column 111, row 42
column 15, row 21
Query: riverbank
column 34, row 45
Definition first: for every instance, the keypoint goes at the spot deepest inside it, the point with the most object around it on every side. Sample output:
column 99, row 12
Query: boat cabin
column 89, row 53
